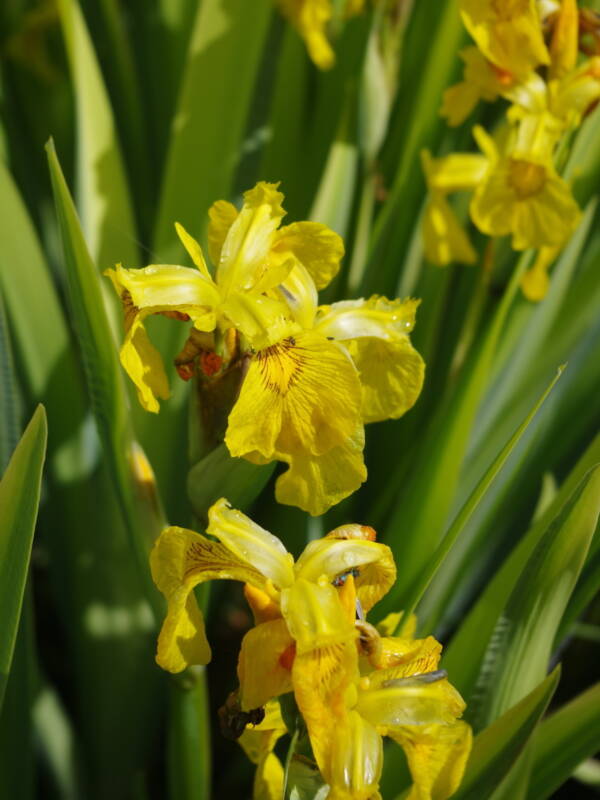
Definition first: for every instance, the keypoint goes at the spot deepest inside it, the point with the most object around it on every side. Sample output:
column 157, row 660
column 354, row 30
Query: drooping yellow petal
column 355, row 761
column 372, row 564
column 194, row 250
column 400, row 657
column 444, row 238
column 180, row 560
column 508, row 32
column 437, row 756
column 300, row 396
column 535, row 282
column 258, row 743
column 167, row 287
column 310, row 18
column 376, row 334
column 391, row 374
column 268, row 778
column 315, row 483
column 264, row 665
column 315, row 246
column 143, row 363
column 244, row 262
column 250, row 543
column 415, row 700
column 222, row 215
column 323, row 679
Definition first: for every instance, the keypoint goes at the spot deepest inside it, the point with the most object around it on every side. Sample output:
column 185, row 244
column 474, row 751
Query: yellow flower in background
column 508, row 33
column 444, row 238
column 483, row 80
column 523, row 195
column 566, row 99
column 311, row 19
column 280, row 595
column 310, row 382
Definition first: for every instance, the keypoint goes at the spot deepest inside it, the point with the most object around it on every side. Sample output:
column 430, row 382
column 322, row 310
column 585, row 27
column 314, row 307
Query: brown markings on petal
column 281, row 365
column 212, row 556
column 130, row 311
column 178, row 315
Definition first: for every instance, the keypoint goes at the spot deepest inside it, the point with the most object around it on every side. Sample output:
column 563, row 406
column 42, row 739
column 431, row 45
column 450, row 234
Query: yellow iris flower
column 523, row 195
column 517, row 192
column 311, row 19
column 508, row 33
column 284, row 594
column 352, row 683
column 311, row 380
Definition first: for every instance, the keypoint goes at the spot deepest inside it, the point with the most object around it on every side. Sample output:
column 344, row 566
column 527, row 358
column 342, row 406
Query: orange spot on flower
column 505, row 78
column 286, row 659
column 369, row 532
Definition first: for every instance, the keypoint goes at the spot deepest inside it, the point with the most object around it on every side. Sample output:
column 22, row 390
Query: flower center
column 526, row 178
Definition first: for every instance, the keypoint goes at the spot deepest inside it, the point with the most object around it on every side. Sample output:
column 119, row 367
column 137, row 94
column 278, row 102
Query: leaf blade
column 19, row 500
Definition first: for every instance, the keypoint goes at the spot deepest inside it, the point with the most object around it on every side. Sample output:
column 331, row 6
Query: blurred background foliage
column 156, row 108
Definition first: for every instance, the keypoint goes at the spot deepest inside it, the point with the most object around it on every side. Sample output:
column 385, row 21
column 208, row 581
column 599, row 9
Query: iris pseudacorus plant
column 352, row 683
column 312, row 375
